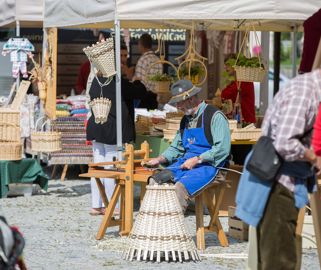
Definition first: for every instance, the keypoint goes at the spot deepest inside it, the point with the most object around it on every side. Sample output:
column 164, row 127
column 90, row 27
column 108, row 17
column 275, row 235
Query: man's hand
column 190, row 163
column 154, row 162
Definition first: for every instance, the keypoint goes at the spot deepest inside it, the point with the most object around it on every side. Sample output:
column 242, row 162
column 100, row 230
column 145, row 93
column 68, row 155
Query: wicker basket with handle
column 102, row 56
column 45, row 141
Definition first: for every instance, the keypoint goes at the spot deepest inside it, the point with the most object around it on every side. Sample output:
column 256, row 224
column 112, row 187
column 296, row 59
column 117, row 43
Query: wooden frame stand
column 126, row 173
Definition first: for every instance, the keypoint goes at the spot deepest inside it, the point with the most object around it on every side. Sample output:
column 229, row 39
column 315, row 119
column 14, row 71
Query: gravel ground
column 60, row 234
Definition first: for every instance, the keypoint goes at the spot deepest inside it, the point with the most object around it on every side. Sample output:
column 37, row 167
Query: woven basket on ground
column 249, row 74
column 10, row 151
column 159, row 231
column 45, row 141
column 143, row 124
column 102, row 56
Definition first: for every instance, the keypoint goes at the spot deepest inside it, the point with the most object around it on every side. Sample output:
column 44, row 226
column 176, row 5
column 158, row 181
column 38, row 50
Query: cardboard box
column 230, row 192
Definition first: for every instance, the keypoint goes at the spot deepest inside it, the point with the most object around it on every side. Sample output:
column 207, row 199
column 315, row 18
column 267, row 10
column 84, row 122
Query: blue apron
column 195, row 143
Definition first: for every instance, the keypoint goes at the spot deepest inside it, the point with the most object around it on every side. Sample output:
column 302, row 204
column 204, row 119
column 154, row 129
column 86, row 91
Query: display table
column 23, row 171
column 159, row 144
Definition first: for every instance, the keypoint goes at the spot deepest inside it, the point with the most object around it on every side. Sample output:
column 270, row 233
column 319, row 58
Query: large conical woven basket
column 159, row 231
column 102, row 56
column 101, row 108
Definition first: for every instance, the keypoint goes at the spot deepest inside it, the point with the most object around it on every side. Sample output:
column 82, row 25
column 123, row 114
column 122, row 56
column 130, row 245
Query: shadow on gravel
column 74, row 191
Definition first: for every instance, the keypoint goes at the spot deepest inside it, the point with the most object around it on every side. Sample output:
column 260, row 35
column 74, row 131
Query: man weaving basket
column 199, row 148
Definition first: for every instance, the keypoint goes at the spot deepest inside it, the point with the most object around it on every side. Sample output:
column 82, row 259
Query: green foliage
column 195, row 70
column 244, row 61
column 161, row 77
column 227, row 77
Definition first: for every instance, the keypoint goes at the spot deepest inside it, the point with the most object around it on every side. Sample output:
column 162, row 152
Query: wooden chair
column 211, row 196
column 126, row 173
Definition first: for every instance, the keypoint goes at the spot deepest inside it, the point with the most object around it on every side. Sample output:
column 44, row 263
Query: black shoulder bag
column 265, row 162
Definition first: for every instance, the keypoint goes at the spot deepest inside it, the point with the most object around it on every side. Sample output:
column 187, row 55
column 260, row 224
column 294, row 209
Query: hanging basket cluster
column 247, row 68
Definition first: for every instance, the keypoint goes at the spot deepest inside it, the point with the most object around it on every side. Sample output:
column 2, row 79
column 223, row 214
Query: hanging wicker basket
column 102, row 56
column 10, row 151
column 249, row 74
column 101, row 108
column 45, row 141
column 159, row 232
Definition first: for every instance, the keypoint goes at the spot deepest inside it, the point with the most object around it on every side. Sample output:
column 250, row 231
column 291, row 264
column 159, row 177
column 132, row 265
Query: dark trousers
column 276, row 232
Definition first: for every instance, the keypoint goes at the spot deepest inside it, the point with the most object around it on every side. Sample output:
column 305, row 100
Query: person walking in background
column 273, row 206
column 142, row 71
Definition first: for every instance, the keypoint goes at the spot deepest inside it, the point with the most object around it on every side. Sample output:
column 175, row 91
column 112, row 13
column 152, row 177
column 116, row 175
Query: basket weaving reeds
column 173, row 123
column 10, row 151
column 10, row 116
column 102, row 56
column 101, row 108
column 45, row 141
column 178, row 114
column 232, row 124
column 159, row 232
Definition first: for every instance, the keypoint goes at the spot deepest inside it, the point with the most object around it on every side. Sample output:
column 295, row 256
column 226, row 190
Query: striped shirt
column 292, row 115
column 142, row 68
column 221, row 140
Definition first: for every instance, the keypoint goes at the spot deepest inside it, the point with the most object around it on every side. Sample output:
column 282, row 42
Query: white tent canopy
column 212, row 14
column 28, row 12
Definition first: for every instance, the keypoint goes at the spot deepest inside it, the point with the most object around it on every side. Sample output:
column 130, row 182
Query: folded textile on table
column 79, row 111
column 63, row 107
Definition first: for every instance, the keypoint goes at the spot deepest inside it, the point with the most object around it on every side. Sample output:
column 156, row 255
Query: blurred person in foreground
column 272, row 207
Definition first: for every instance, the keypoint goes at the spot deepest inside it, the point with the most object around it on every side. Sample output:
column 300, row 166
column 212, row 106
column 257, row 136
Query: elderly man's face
column 186, row 106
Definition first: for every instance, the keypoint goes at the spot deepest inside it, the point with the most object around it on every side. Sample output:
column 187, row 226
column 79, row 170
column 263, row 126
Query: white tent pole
column 264, row 86
column 18, row 35
column 294, row 51
column 118, row 87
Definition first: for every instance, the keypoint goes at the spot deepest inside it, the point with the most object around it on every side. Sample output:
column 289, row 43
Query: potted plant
column 248, row 69
column 194, row 73
column 162, row 82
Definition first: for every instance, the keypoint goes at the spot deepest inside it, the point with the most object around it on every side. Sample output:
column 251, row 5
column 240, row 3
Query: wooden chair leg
column 109, row 213
column 64, row 172
column 102, row 192
column 122, row 210
column 200, row 233
column 213, row 198
column 53, row 173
